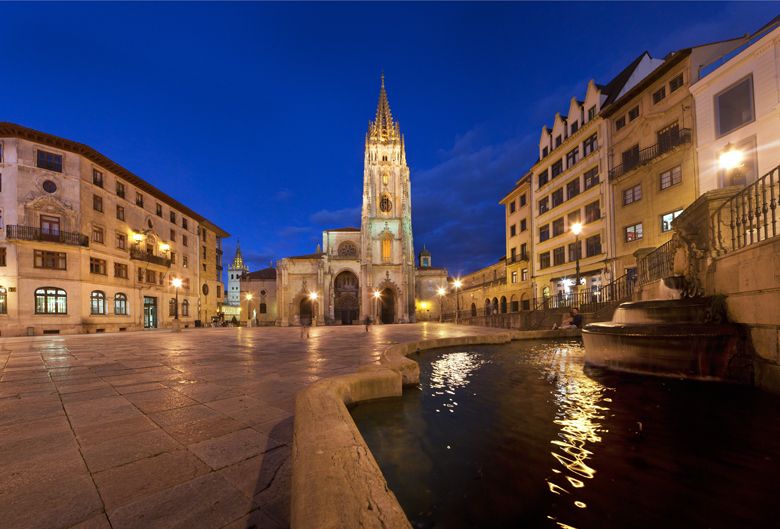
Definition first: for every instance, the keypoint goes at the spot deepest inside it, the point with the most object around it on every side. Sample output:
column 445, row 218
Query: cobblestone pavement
column 158, row 429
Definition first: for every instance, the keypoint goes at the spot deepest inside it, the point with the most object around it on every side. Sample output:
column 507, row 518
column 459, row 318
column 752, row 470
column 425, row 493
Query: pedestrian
column 367, row 321
column 305, row 324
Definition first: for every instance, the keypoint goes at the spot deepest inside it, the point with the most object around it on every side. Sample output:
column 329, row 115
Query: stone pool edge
column 336, row 481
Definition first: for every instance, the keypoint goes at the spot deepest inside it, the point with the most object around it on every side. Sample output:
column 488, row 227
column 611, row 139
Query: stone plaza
column 163, row 429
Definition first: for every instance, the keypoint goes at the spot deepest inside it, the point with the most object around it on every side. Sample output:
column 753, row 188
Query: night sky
column 254, row 115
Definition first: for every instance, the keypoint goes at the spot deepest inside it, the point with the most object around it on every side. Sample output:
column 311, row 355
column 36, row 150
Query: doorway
column 388, row 306
column 150, row 312
column 306, row 311
column 346, row 307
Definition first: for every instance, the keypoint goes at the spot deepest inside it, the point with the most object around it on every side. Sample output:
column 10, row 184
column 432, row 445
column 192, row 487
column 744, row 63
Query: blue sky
column 255, row 114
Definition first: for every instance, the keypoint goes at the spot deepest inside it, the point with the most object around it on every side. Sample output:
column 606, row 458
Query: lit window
column 659, row 95
column 50, row 161
column 120, row 304
column 51, row 300
column 633, row 233
column 671, row 177
column 387, row 249
column 97, row 302
column 666, row 220
column 676, row 83
column 632, row 194
column 3, row 301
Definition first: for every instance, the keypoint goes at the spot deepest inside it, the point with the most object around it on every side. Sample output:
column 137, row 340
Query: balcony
column 647, row 155
column 140, row 255
column 31, row 233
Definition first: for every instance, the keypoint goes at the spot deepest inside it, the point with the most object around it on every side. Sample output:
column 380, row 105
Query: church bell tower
column 387, row 249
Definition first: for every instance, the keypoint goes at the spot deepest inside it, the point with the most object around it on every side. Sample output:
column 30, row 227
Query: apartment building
column 88, row 246
column 482, row 293
column 519, row 241
column 210, row 271
column 652, row 158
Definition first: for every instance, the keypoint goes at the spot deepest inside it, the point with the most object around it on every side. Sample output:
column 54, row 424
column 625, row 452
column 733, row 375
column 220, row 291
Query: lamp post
column 576, row 229
column 313, row 296
column 176, row 283
column 456, row 285
column 441, row 292
column 377, row 296
column 249, row 309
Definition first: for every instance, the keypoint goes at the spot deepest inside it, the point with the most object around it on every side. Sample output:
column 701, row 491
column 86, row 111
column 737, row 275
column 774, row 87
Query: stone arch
column 503, row 305
column 494, row 306
column 346, row 298
column 387, row 308
column 487, row 307
column 473, row 310
column 514, row 304
column 347, row 249
column 525, row 302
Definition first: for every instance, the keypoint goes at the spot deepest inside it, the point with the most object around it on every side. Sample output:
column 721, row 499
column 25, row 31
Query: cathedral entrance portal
column 388, row 306
column 346, row 307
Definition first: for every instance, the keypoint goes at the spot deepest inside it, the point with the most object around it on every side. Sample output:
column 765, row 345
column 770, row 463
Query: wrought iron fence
column 658, row 264
column 749, row 216
column 591, row 300
column 649, row 153
column 31, row 233
column 140, row 255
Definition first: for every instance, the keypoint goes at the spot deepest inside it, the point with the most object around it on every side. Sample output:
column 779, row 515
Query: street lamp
column 377, row 296
column 249, row 309
column 576, row 229
column 313, row 296
column 441, row 293
column 457, row 284
column 176, row 282
column 730, row 161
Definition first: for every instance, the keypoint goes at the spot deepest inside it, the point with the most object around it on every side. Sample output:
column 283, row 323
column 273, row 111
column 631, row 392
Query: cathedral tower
column 236, row 269
column 387, row 249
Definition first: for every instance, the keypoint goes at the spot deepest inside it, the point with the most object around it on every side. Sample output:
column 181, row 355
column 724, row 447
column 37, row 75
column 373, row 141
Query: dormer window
column 575, row 127
column 591, row 112
column 545, row 152
column 558, row 140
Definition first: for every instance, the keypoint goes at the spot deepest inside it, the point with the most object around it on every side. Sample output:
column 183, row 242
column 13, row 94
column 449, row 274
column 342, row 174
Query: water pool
column 518, row 435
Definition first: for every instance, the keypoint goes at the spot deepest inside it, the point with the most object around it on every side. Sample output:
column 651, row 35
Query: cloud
column 283, row 195
column 455, row 203
column 337, row 218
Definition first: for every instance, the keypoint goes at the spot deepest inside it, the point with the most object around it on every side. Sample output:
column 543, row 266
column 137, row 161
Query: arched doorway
column 346, row 308
column 503, row 304
column 494, row 306
column 306, row 311
column 487, row 307
column 388, row 306
column 473, row 310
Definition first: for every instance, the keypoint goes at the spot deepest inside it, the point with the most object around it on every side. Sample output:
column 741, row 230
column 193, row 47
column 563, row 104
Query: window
column 2, row 256
column 185, row 308
column 573, row 188
column 524, row 252
column 523, row 225
column 173, row 216
column 140, row 274
column 591, row 112
column 734, row 106
column 630, row 158
column 671, row 177
column 545, row 152
column 120, row 212
column 97, row 203
column 632, row 194
column 544, row 260
column 97, row 302
column 121, row 241
column 3, row 301
column 558, row 140
column 543, row 178
column 120, row 304
column 633, row 233
column 51, row 300
column 120, row 189
column 139, row 200
column 573, row 217
column 184, row 261
column 668, row 137
column 173, row 236
column 590, row 144
column 97, row 178
column 97, row 266
column 592, row 212
column 574, row 250
column 557, row 168
column 676, row 83
column 98, row 234
column 591, row 177
column 544, row 233
column 50, row 161
column 184, row 240
column 50, row 260
column 50, row 226
column 557, row 227
column 173, row 258
column 559, row 256
column 620, row 122
column 522, row 200
column 158, row 210
column 557, row 197
column 524, row 274
column 184, row 222
column 659, row 95
column 514, row 276
column 151, row 276
column 575, row 127
column 204, row 253
column 544, row 205
column 512, row 207
column 120, row 270
column 219, row 292
column 572, row 156
column 666, row 220
column 633, row 113
column 263, row 308
column 387, row 249
column 593, row 246
column 172, row 308
column 512, row 230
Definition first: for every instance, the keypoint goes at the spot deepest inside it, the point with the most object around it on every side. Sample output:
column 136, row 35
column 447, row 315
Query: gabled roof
column 612, row 88
column 307, row 256
column 265, row 273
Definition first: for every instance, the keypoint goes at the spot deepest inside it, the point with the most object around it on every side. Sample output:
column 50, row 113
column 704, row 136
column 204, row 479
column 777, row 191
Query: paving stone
column 233, row 447
column 94, row 433
column 182, row 415
column 127, row 449
column 196, row 431
column 257, row 519
column 94, row 522
column 159, row 400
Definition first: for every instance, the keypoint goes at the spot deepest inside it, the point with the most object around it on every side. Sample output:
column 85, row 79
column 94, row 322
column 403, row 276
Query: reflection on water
column 520, row 436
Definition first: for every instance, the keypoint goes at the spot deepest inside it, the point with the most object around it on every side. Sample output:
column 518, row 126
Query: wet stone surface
column 160, row 429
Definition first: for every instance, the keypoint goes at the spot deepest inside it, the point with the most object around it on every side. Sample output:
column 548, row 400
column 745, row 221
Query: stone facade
column 258, row 297
column 87, row 246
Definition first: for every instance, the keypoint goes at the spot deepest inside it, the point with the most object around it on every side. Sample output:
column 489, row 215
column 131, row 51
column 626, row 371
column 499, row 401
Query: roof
column 14, row 130
column 348, row 228
column 265, row 273
column 612, row 88
column 306, row 256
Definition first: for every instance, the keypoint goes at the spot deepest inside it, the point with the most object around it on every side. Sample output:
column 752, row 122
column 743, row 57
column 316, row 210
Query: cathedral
column 368, row 271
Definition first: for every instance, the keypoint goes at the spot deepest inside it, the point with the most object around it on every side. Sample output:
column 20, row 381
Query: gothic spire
column 383, row 127
column 238, row 260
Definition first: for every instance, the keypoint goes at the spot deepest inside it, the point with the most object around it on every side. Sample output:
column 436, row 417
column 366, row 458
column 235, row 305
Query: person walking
column 367, row 321
column 305, row 324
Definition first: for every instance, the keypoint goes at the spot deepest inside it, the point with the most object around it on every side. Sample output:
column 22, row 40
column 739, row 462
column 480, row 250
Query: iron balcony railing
column 658, row 264
column 648, row 154
column 590, row 300
column 31, row 233
column 749, row 216
column 140, row 255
